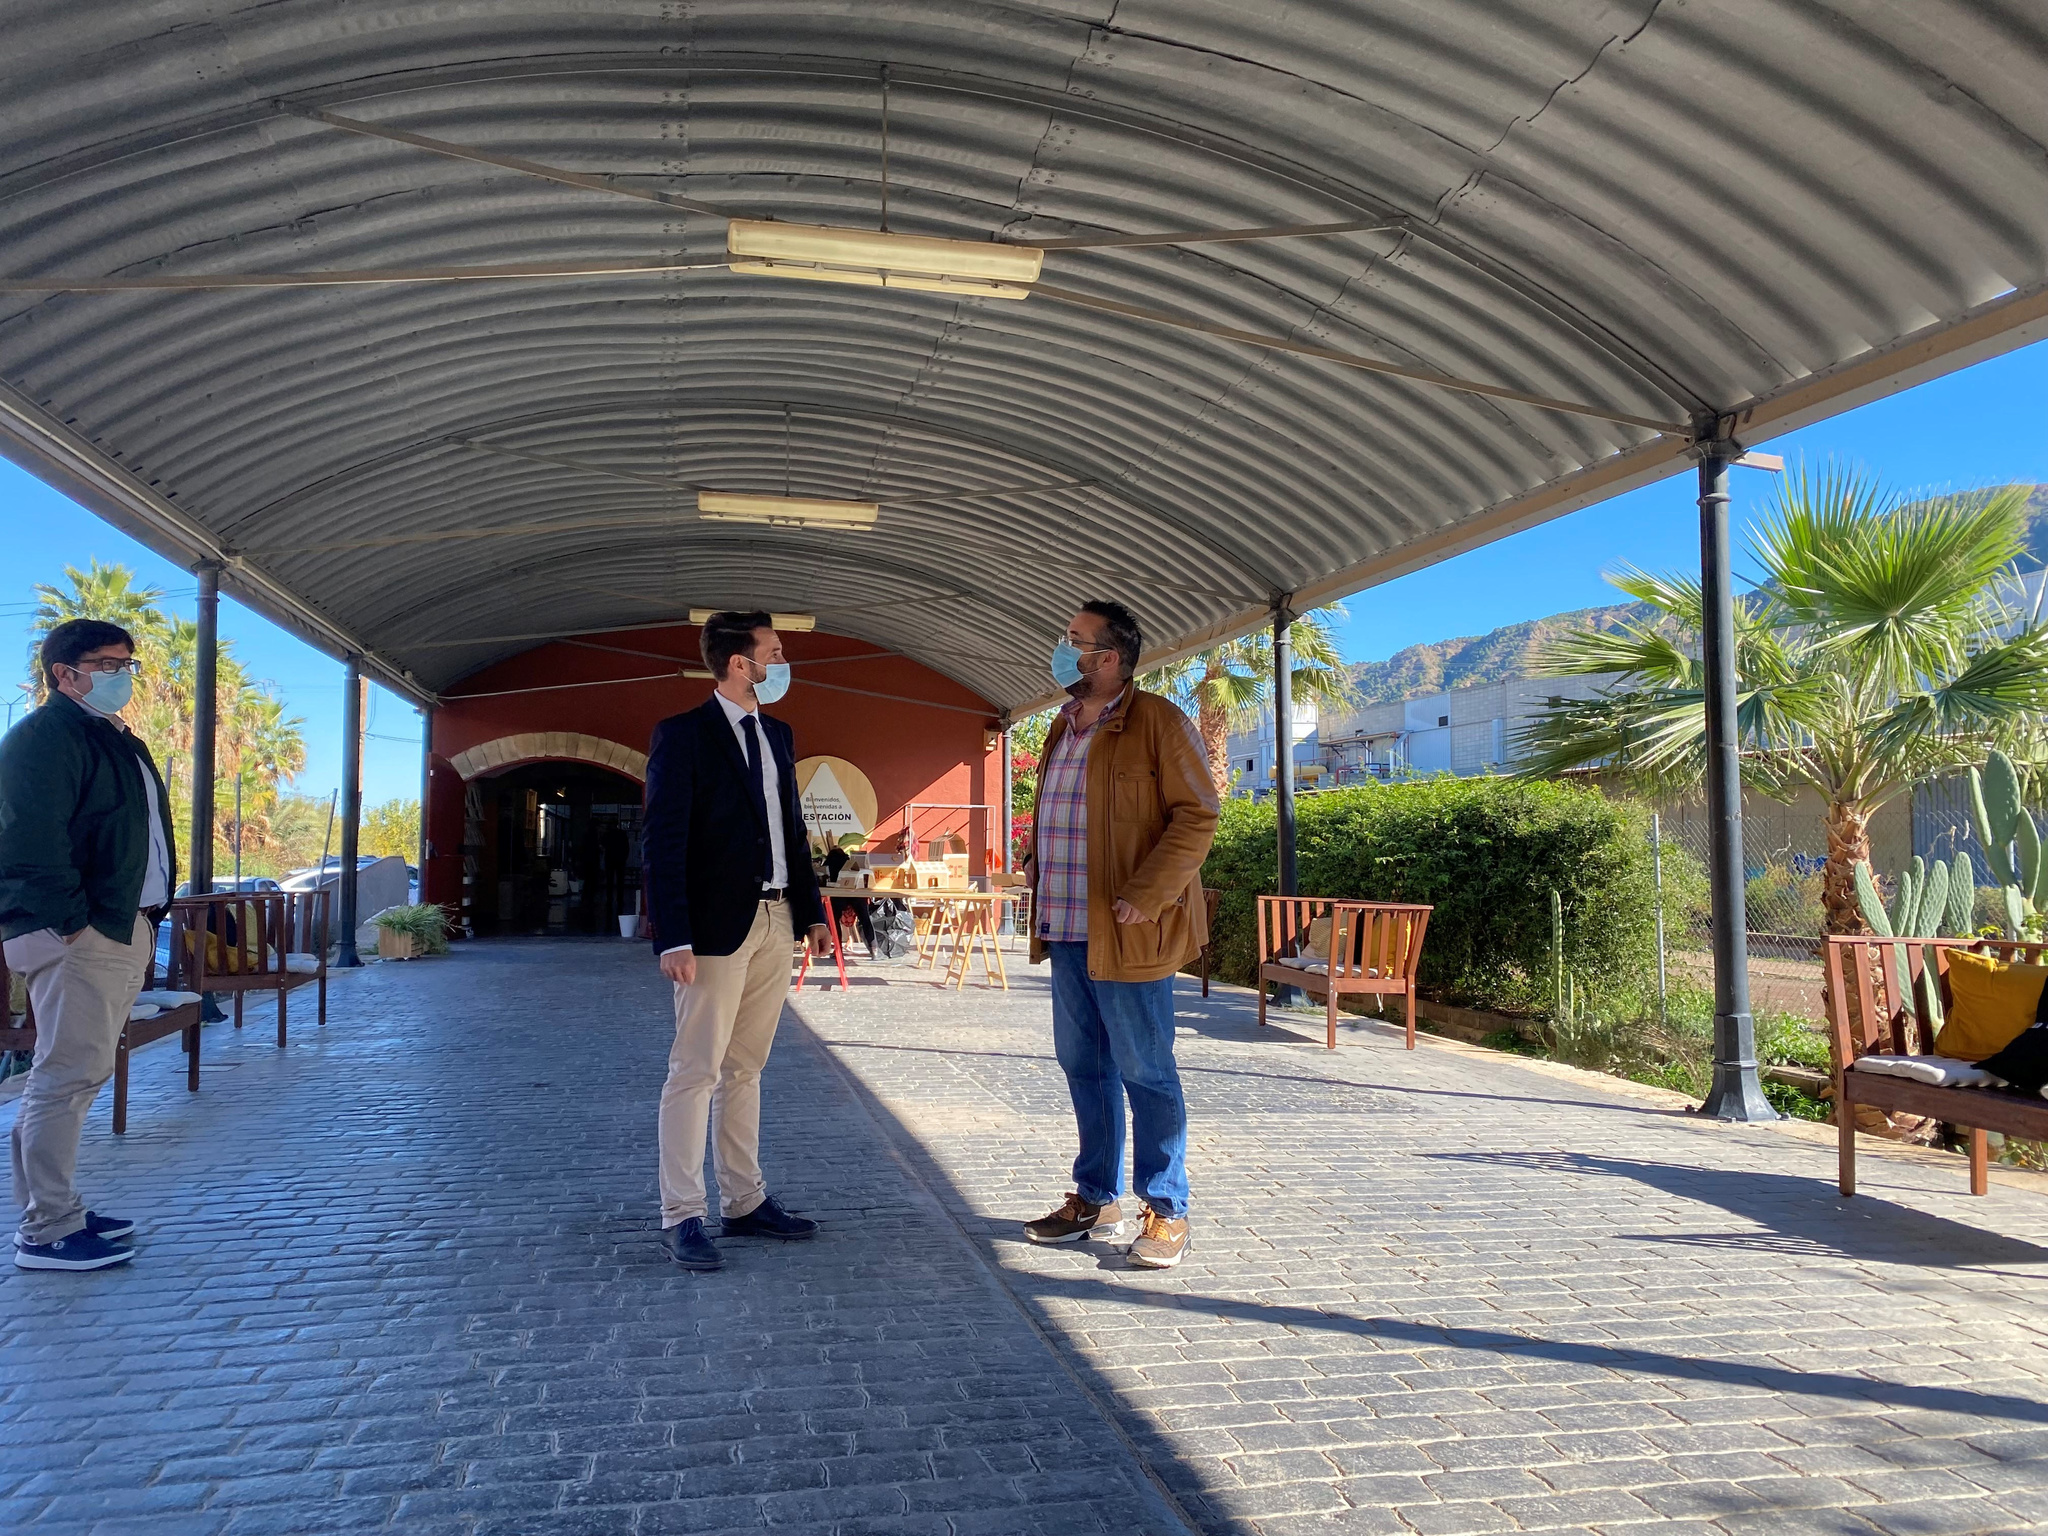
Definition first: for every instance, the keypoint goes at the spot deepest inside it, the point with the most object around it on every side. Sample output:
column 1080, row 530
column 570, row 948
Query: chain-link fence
column 1782, row 887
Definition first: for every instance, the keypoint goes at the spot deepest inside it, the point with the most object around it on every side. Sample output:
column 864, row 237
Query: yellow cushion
column 1315, row 944
column 1991, row 1004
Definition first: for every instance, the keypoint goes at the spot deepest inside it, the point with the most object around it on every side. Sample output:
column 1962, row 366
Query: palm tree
column 104, row 592
column 1227, row 685
column 1883, row 645
column 261, row 748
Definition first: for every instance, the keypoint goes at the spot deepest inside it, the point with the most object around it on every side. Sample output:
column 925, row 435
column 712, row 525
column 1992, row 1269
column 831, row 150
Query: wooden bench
column 240, row 942
column 1866, row 1016
column 1374, row 950
column 18, row 1033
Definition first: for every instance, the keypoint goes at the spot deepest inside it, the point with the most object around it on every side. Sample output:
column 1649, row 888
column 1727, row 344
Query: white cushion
column 1322, row 968
column 1941, row 1071
column 166, row 999
column 302, row 965
column 143, row 1011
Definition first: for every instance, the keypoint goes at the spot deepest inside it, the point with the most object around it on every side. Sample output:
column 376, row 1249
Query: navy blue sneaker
column 689, row 1247
column 112, row 1228
column 81, row 1250
column 769, row 1219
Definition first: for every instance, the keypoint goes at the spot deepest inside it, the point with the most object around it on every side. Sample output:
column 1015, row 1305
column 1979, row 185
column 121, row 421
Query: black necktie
column 753, row 734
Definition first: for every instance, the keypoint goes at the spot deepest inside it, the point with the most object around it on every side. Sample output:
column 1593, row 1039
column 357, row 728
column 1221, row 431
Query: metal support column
column 426, row 791
column 1283, row 767
column 345, row 919
column 205, row 716
column 1737, row 1093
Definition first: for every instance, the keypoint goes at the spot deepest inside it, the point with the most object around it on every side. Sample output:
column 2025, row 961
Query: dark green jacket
column 74, row 826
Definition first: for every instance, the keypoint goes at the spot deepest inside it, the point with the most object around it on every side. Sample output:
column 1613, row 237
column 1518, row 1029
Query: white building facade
column 1464, row 731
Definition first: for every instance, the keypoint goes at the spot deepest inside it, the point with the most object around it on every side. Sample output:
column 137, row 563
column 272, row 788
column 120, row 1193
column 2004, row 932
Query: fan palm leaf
column 1227, row 687
column 1877, row 648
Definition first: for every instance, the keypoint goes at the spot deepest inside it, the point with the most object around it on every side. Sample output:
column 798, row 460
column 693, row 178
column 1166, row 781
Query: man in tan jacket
column 1125, row 814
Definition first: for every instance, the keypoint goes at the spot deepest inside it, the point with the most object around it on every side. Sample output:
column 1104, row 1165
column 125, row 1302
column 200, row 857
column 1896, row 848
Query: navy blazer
column 703, row 840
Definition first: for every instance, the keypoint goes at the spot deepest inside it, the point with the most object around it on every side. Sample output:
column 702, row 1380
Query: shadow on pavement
column 1801, row 1214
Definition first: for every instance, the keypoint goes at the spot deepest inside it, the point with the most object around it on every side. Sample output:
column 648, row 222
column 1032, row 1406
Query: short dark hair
column 73, row 638
column 730, row 634
column 1122, row 632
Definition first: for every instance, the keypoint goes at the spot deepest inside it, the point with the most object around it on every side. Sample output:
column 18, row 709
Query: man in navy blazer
column 730, row 883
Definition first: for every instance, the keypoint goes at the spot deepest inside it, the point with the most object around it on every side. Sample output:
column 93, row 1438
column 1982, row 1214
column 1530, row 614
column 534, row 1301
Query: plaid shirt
column 1060, row 856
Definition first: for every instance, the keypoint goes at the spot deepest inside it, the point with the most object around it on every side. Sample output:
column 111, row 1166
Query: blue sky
column 1985, row 426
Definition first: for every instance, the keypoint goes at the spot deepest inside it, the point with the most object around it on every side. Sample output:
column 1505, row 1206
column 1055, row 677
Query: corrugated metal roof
column 1657, row 209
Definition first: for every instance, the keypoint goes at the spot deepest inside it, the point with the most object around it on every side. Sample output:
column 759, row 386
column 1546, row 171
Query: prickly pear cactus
column 1926, row 907
column 1962, row 897
column 1870, row 902
column 2012, row 843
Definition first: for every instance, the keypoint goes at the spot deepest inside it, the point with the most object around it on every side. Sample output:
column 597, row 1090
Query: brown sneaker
column 1161, row 1241
column 1074, row 1220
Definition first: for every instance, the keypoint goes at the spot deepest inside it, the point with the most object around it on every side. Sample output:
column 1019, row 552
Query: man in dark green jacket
column 87, row 867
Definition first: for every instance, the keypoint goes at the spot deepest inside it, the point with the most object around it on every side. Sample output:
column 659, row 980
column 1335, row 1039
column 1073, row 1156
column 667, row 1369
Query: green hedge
column 1486, row 853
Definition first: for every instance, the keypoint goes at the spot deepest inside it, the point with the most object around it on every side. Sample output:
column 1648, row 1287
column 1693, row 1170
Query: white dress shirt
column 156, row 880
column 771, row 792
column 771, row 786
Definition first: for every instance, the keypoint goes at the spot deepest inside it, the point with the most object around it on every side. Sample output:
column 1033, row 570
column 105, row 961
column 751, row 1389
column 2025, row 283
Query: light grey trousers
column 81, row 993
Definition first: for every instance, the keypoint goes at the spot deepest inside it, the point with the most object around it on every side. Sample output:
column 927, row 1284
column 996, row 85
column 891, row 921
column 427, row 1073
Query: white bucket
column 629, row 925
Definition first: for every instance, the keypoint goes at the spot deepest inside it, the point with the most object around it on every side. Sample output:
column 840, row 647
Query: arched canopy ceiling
column 1746, row 211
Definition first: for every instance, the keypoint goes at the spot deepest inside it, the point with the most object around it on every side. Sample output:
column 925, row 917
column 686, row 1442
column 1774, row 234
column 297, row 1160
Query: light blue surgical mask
column 1066, row 664
column 109, row 692
column 775, row 684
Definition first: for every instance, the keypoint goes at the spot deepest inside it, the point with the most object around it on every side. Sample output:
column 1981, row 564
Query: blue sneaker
column 112, row 1228
column 81, row 1250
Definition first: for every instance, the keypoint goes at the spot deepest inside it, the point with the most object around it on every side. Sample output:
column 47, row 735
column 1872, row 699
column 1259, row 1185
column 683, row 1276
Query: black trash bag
column 894, row 933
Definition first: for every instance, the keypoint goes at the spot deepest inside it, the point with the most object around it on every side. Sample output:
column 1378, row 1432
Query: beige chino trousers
column 81, row 993
column 725, row 1023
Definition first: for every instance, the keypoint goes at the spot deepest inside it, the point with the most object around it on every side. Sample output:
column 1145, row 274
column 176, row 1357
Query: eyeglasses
column 107, row 666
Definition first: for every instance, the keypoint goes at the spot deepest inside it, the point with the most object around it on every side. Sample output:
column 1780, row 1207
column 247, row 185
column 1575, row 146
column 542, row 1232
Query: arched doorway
column 561, row 849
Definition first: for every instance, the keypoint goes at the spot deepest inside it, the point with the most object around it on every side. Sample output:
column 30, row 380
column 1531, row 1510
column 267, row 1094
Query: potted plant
column 408, row 933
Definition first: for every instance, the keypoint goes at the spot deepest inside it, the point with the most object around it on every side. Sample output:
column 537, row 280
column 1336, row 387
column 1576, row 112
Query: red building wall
column 917, row 736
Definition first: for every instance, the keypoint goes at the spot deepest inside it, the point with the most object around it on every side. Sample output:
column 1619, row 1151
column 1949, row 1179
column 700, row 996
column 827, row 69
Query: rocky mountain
column 2037, row 525
column 1502, row 655
column 1497, row 656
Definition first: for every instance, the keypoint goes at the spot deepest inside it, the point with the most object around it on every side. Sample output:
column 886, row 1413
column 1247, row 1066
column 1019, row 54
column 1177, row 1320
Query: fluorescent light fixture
column 786, row 511
column 821, row 253
column 798, row 623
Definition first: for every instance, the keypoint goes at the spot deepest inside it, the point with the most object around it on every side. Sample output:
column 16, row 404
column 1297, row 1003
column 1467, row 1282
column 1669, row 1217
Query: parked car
column 247, row 883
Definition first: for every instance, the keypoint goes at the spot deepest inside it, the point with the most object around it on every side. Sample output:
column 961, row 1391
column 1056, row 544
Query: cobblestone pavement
column 1448, row 1292
column 402, row 1276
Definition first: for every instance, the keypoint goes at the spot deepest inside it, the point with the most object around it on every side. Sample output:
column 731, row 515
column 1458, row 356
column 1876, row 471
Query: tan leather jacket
column 1151, row 817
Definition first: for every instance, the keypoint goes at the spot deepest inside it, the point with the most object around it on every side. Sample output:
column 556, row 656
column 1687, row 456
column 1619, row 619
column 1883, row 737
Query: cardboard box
column 894, row 877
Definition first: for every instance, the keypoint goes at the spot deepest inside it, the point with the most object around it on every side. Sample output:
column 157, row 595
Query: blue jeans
column 1111, row 1036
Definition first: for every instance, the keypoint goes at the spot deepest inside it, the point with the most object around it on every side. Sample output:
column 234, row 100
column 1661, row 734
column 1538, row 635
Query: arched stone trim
column 537, row 746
